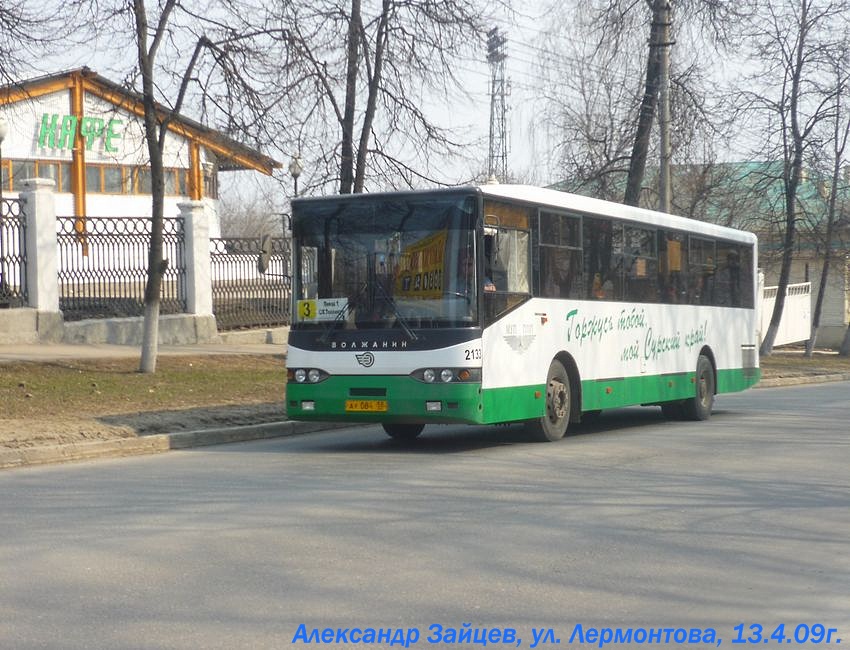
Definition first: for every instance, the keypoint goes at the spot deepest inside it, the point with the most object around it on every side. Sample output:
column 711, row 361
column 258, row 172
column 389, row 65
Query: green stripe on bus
column 738, row 379
column 514, row 403
column 626, row 391
column 466, row 403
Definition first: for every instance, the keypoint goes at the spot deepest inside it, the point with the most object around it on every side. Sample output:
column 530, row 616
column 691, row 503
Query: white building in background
column 86, row 133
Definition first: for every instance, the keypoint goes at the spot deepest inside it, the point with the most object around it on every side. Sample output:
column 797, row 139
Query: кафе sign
column 58, row 131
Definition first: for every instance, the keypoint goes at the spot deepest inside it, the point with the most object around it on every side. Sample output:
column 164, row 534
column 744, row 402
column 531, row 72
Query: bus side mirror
column 265, row 253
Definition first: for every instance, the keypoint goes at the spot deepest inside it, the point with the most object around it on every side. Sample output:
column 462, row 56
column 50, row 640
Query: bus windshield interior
column 385, row 261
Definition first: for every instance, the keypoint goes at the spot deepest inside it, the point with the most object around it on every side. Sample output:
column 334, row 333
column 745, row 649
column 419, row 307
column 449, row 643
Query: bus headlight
column 306, row 375
column 447, row 375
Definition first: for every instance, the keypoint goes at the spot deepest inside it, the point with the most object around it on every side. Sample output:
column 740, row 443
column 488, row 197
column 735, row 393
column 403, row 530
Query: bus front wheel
column 553, row 425
column 699, row 406
column 402, row 431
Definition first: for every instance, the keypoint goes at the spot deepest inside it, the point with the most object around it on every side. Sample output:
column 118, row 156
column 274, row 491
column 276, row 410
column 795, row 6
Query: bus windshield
column 385, row 261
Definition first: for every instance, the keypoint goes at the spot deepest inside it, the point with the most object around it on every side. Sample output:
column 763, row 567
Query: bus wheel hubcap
column 558, row 400
column 703, row 390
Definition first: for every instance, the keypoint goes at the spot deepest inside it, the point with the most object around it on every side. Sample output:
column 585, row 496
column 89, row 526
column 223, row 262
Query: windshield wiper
column 399, row 318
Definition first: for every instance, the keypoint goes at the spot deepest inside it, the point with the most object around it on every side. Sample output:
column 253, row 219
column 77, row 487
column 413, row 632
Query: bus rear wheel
column 699, row 406
column 553, row 425
column 402, row 431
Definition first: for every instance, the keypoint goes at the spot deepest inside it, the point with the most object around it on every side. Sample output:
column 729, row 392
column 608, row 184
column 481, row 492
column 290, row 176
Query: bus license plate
column 365, row 405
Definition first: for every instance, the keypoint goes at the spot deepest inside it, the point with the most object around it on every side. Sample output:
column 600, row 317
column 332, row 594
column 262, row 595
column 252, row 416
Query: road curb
column 155, row 444
column 777, row 382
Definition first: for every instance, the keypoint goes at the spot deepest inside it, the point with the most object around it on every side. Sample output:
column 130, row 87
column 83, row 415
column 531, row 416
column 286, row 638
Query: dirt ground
column 80, row 401
column 98, row 400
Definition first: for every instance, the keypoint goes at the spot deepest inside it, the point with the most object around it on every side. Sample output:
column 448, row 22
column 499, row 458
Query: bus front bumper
column 388, row 398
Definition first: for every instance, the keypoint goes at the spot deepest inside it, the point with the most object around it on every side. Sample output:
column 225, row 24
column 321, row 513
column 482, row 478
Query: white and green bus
column 506, row 303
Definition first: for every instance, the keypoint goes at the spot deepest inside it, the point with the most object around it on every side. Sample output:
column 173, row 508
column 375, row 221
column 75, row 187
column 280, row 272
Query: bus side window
column 600, row 261
column 561, row 259
column 640, row 276
column 672, row 276
column 560, row 273
column 701, row 268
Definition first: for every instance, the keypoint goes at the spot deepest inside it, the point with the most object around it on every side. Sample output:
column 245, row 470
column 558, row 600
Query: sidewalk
column 58, row 351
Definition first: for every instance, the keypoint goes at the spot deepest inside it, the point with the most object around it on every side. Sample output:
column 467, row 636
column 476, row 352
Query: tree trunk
column 839, row 142
column 150, row 337
column 154, row 138
column 346, row 170
column 791, row 173
column 637, row 162
column 813, row 338
column 372, row 100
column 785, row 270
column 844, row 350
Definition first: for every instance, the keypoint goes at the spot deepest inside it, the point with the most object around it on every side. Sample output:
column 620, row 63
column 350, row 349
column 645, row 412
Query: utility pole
column 497, row 164
column 664, row 178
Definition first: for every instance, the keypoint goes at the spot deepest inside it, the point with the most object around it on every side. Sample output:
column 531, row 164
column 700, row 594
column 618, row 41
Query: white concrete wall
column 796, row 323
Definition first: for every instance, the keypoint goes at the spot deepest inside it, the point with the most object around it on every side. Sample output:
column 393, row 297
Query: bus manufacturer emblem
column 366, row 359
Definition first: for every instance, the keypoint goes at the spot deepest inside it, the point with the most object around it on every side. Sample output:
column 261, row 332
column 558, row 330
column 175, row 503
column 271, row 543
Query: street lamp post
column 295, row 168
column 4, row 286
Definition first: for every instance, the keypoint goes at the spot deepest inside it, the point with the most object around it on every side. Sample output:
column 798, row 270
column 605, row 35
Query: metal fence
column 242, row 296
column 13, row 254
column 103, row 267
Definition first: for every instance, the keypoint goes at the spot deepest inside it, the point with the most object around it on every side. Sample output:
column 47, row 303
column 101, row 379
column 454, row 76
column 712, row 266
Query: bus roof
column 556, row 199
column 587, row 205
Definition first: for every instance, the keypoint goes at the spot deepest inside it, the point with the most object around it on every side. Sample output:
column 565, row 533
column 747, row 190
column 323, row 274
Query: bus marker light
column 608, row 390
column 433, row 406
column 308, row 405
column 537, row 394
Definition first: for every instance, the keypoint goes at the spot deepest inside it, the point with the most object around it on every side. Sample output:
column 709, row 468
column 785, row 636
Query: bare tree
column 602, row 99
column 837, row 142
column 370, row 71
column 646, row 112
column 178, row 49
column 714, row 17
column 793, row 40
column 588, row 96
column 155, row 131
column 28, row 31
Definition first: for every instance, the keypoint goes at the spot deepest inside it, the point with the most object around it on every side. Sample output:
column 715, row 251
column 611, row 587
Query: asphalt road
column 633, row 523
